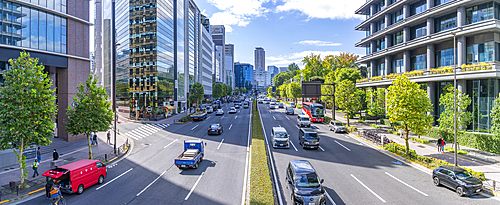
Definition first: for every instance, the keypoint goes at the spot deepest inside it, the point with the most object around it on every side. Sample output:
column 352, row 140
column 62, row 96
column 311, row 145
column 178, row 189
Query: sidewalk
column 476, row 160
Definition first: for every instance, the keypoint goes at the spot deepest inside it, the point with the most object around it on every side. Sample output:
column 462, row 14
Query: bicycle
column 59, row 200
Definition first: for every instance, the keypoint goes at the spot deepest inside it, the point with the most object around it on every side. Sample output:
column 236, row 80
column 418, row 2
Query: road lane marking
column 222, row 117
column 152, row 183
column 297, row 126
column 279, row 125
column 287, row 118
column 274, row 118
column 343, row 146
column 220, row 143
column 407, row 184
column 194, row 186
column 170, row 143
column 194, row 127
column 293, row 146
column 368, row 189
column 230, row 126
column 209, row 117
column 235, row 117
column 330, row 198
column 114, row 179
column 321, row 148
column 346, row 136
column 130, row 135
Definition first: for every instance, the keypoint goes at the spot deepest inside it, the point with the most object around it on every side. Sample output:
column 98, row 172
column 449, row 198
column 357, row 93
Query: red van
column 76, row 176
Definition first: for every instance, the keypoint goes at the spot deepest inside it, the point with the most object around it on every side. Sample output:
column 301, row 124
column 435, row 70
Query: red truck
column 77, row 176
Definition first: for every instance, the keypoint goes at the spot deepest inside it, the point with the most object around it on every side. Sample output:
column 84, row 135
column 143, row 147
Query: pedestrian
column 35, row 168
column 438, row 143
column 109, row 138
column 55, row 155
column 39, row 155
column 95, row 139
column 48, row 186
column 443, row 143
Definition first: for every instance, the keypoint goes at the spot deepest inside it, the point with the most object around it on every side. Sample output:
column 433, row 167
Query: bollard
column 382, row 139
column 106, row 157
column 17, row 189
column 494, row 185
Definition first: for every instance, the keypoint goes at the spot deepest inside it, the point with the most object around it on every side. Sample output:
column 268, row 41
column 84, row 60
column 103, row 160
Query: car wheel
column 195, row 165
column 201, row 159
column 80, row 189
column 436, row 181
column 101, row 179
column 460, row 191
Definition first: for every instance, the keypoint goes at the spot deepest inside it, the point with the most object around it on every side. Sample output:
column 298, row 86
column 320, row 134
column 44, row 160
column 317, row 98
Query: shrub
column 360, row 121
column 481, row 141
column 186, row 118
column 351, row 129
column 328, row 119
column 382, row 120
column 452, row 150
column 375, row 126
column 420, row 140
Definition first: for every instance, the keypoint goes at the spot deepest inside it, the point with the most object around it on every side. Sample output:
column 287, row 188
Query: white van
column 280, row 138
column 303, row 121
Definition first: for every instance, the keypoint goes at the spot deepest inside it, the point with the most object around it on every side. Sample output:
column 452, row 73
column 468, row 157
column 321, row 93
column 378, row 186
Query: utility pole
column 113, row 81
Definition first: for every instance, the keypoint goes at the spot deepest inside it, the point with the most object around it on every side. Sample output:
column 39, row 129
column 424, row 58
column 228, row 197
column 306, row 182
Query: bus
column 315, row 111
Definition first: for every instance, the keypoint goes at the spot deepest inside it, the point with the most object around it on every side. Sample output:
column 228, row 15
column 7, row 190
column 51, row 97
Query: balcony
column 388, row 9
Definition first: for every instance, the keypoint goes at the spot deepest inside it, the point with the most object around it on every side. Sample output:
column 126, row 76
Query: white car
column 232, row 110
column 272, row 105
column 219, row 112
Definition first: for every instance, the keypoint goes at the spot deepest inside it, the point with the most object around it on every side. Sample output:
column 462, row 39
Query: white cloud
column 281, row 17
column 237, row 13
column 318, row 43
column 285, row 60
column 331, row 9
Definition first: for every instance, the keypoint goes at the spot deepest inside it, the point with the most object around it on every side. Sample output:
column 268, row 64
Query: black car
column 308, row 138
column 215, row 129
column 304, row 184
column 458, row 179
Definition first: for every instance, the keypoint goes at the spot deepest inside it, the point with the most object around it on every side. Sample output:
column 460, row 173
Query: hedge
column 481, row 141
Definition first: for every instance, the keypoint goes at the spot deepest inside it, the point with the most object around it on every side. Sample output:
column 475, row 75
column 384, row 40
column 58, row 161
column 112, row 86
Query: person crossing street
column 35, row 168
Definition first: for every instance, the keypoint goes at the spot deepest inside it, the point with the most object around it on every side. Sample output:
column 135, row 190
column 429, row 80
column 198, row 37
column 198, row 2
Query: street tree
column 347, row 98
column 447, row 100
column 294, row 91
column 328, row 90
column 91, row 112
column 229, row 90
column 495, row 116
column 282, row 90
column 217, row 90
column 243, row 90
column 351, row 74
column 27, row 108
column 269, row 91
column 408, row 104
column 376, row 102
column 293, row 67
column 236, row 91
column 196, row 94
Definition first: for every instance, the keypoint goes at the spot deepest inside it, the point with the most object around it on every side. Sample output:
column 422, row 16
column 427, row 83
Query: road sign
column 149, row 108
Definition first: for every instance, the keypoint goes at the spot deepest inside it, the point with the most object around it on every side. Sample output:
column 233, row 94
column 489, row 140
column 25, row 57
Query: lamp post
column 113, row 81
column 455, row 94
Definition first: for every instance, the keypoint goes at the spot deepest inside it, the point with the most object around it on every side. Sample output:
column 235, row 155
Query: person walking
column 443, row 143
column 95, row 139
column 39, row 155
column 439, row 144
column 35, row 168
column 55, row 155
column 109, row 138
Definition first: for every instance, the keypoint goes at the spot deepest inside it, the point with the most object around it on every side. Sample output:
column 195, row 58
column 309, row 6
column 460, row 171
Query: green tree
column 269, row 91
column 293, row 67
column 351, row 74
column 376, row 102
column 495, row 116
column 282, row 90
column 327, row 91
column 196, row 94
column 217, row 90
column 27, row 108
column 243, row 90
column 91, row 111
column 447, row 100
column 408, row 103
column 347, row 98
column 236, row 91
column 294, row 91
column 224, row 90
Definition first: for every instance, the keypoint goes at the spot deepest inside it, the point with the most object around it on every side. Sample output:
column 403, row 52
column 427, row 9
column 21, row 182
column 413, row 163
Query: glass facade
column 397, row 38
column 444, row 57
column 379, row 25
column 180, row 51
column 445, row 22
column 380, row 68
column 397, row 16
column 483, row 93
column 379, row 7
column 368, row 50
column 31, row 28
column 419, row 62
column 380, row 44
column 479, row 13
column 57, row 5
column 243, row 75
column 418, row 31
column 397, row 66
column 482, row 52
column 418, row 7
column 439, row 2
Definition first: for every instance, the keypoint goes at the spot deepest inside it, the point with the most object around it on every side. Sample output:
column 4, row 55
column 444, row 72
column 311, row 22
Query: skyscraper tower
column 260, row 58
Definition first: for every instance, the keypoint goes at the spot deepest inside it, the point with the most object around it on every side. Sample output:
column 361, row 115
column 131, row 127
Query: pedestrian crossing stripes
column 146, row 130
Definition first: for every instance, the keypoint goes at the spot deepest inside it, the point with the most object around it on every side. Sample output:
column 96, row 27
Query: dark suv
column 308, row 138
column 304, row 184
column 458, row 179
column 289, row 111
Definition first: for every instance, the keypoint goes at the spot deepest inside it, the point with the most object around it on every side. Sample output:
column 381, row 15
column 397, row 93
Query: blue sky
column 288, row 30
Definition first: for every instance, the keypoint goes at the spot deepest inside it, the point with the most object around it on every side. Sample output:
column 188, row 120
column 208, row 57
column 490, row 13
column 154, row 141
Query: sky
column 288, row 30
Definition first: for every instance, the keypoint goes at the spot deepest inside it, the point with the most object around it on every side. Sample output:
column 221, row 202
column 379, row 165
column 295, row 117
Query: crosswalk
column 146, row 130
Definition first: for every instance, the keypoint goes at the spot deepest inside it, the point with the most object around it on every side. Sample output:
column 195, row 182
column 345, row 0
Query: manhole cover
column 420, row 146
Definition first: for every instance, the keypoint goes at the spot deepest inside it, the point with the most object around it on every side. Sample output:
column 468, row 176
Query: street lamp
column 455, row 94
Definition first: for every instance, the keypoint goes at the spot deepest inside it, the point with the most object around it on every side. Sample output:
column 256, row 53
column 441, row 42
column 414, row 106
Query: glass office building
column 243, row 75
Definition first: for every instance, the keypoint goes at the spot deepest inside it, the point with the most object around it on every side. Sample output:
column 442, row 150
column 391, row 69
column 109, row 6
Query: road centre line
column 194, row 186
column 293, row 146
column 368, row 189
column 321, row 148
column 343, row 146
column 152, row 183
column 235, row 117
column 330, row 198
column 209, row 117
column 230, row 126
column 287, row 118
column 170, row 143
column 407, row 184
column 114, row 179
column 274, row 118
column 220, row 144
column 194, row 127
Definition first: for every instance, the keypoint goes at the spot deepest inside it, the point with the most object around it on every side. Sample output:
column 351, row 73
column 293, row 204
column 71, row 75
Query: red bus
column 315, row 111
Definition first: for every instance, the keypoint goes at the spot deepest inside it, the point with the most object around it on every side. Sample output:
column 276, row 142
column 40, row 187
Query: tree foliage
column 27, row 108
column 347, row 98
column 495, row 117
column 376, row 102
column 408, row 103
column 294, row 91
column 447, row 100
column 91, row 111
column 351, row 74
column 217, row 90
column 196, row 94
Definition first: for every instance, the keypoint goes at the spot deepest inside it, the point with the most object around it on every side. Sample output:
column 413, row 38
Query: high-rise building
column 273, row 71
column 219, row 38
column 229, row 64
column 283, row 69
column 41, row 29
column 417, row 38
column 206, row 59
column 243, row 75
column 98, row 42
column 260, row 58
column 192, row 45
column 219, row 64
column 261, row 78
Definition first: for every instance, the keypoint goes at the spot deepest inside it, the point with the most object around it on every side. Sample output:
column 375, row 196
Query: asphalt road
column 148, row 174
column 354, row 171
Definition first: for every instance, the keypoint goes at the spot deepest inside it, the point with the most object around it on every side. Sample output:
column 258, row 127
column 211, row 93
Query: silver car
column 337, row 126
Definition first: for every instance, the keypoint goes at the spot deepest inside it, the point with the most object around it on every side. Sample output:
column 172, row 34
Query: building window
column 394, row 1
column 444, row 58
column 446, row 22
column 380, row 69
column 379, row 25
column 439, row 2
column 481, row 52
column 479, row 13
column 419, row 62
column 418, row 7
column 397, row 66
column 379, row 7
column 380, row 44
column 368, row 32
column 397, row 17
column 367, row 50
column 397, row 38
column 418, row 31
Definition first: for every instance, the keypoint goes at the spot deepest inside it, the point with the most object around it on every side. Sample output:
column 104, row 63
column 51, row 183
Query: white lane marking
column 230, row 126
column 170, row 143
column 222, row 117
column 368, row 188
column 130, row 135
column 343, row 146
column 407, row 184
column 144, row 130
column 153, row 127
column 139, row 134
column 274, row 118
column 220, row 144
column 321, row 148
column 287, row 118
column 114, row 179
column 346, row 136
column 194, row 186
column 280, row 125
column 235, row 117
column 330, row 198
column 194, row 127
column 209, row 117
column 293, row 146
column 151, row 183
column 297, row 126
column 269, row 111
column 149, row 128
column 247, row 161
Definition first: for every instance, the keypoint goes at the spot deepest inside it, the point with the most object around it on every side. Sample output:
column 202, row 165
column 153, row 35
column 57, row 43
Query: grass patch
column 452, row 150
column 261, row 189
column 375, row 126
column 327, row 120
column 360, row 121
column 423, row 141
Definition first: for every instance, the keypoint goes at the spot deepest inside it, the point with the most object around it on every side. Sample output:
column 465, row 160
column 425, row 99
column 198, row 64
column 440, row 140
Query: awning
column 169, row 107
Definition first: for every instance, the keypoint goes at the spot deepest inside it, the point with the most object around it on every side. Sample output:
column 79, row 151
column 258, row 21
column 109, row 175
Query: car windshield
column 281, row 135
column 312, row 135
column 305, row 119
column 214, row 127
column 318, row 111
column 463, row 175
column 339, row 124
column 307, row 181
column 289, row 108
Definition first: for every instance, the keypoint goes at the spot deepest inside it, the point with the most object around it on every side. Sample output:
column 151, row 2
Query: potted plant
column 155, row 112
